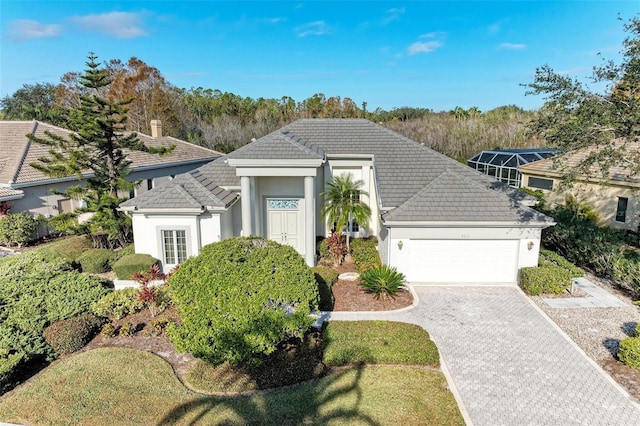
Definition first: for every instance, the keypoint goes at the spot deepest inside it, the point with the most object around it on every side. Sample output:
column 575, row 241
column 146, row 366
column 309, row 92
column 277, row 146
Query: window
column 149, row 184
column 621, row 211
column 540, row 183
column 175, row 247
column 354, row 226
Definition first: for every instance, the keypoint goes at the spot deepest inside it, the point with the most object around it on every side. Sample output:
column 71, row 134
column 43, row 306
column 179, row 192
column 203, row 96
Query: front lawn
column 125, row 386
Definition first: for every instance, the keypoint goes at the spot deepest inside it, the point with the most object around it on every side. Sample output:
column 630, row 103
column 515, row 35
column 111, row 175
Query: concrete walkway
column 507, row 363
column 597, row 297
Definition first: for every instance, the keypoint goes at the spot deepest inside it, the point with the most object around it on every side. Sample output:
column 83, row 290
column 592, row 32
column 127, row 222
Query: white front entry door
column 283, row 222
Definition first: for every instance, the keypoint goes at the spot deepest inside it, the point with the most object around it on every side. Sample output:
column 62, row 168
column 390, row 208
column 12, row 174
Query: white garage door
column 463, row 261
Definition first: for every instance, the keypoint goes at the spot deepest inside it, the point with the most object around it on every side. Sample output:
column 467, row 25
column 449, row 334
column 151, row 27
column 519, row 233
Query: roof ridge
column 25, row 151
column 199, row 184
column 302, row 143
column 186, row 193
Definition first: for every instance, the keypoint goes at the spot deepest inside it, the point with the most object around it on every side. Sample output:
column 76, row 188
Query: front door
column 283, row 221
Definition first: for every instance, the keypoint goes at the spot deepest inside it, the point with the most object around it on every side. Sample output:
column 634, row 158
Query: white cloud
column 115, row 24
column 25, row 29
column 393, row 15
column 512, row 46
column 424, row 47
column 312, row 28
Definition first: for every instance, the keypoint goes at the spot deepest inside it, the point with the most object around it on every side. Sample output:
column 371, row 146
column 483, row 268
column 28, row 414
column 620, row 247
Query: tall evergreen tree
column 97, row 149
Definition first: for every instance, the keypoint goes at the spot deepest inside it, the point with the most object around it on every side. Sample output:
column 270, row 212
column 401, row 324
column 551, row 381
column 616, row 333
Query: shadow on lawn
column 305, row 403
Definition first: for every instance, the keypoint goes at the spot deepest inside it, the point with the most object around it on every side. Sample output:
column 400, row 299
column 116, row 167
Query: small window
column 149, row 184
column 175, row 247
column 621, row 211
column 540, row 183
column 354, row 226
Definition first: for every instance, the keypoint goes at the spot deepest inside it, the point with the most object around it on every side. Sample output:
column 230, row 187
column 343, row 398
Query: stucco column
column 245, row 199
column 309, row 221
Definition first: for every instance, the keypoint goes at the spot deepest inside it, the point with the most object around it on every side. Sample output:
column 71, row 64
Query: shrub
column 16, row 229
column 69, row 249
column 239, row 298
column 549, row 257
column 629, row 351
column 365, row 254
column 337, row 246
column 96, row 261
column 10, row 365
column 323, row 249
column 127, row 265
column 69, row 335
column 548, row 279
column 65, row 223
column 127, row 329
column 383, row 281
column 130, row 249
column 108, row 330
column 158, row 326
column 118, row 303
column 325, row 278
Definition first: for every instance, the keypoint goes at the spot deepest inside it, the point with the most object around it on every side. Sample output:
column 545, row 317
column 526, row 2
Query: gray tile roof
column 403, row 169
column 187, row 190
column 17, row 152
column 454, row 196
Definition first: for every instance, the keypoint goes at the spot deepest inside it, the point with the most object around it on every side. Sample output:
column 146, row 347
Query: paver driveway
column 509, row 364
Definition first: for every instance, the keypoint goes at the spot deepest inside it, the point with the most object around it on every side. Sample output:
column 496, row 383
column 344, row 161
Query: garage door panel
column 471, row 261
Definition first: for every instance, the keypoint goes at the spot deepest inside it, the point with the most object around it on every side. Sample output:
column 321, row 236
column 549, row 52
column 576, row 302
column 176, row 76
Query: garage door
column 463, row 261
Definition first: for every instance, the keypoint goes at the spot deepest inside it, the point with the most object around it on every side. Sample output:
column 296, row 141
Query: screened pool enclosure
column 503, row 163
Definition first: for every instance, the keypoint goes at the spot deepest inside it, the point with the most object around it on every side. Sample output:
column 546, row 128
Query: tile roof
column 17, row 152
column 10, row 194
column 452, row 195
column 403, row 168
column 187, row 190
column 552, row 166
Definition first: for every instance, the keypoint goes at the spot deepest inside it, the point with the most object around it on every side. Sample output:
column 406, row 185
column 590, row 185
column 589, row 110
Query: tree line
column 225, row 121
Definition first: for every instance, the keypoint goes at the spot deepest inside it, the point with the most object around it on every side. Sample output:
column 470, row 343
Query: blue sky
column 431, row 54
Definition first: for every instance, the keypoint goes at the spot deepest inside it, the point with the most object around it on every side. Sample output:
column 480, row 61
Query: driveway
column 508, row 364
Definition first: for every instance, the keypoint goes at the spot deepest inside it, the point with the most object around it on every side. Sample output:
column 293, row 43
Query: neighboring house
column 502, row 164
column 615, row 197
column 29, row 190
column 436, row 220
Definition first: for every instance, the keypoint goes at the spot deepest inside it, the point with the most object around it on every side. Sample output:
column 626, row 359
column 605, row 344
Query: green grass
column 378, row 342
column 126, row 386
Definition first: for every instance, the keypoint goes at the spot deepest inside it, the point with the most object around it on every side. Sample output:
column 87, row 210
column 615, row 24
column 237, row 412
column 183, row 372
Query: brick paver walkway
column 509, row 364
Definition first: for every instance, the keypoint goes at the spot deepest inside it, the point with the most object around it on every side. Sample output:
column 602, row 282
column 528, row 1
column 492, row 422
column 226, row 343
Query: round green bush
column 239, row 298
column 69, row 335
column 629, row 351
column 118, row 303
column 129, row 264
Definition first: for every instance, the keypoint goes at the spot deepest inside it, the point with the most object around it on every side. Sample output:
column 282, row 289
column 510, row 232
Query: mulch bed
column 349, row 296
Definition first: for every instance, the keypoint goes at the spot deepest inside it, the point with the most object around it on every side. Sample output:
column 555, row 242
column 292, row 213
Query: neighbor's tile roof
column 17, row 152
column 10, row 193
column 553, row 166
column 403, row 169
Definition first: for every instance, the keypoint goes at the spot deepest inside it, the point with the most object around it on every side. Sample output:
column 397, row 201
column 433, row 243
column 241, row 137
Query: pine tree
column 97, row 149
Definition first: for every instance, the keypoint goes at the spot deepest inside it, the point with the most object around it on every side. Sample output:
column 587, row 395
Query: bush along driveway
column 508, row 363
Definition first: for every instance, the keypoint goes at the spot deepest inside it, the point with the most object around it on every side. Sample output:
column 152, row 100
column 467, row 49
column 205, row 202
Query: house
column 503, row 164
column 436, row 220
column 615, row 197
column 29, row 190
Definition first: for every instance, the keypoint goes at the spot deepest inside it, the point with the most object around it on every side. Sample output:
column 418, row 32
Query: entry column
column 309, row 221
column 245, row 199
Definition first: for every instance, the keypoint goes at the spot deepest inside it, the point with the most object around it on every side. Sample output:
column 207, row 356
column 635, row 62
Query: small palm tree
column 343, row 205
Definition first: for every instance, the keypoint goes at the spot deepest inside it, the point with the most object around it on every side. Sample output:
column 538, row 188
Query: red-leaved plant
column 149, row 294
column 337, row 248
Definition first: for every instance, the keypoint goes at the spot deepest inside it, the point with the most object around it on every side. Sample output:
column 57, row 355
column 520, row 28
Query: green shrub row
column 129, row 264
column 548, row 257
column 629, row 350
column 37, row 289
column 325, row 278
column 17, row 229
column 69, row 335
column 552, row 276
column 9, row 367
column 365, row 253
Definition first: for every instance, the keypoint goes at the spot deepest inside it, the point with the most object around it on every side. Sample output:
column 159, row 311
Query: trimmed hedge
column 72, row 334
column 10, row 365
column 552, row 276
column 365, row 253
column 325, row 278
column 96, row 261
column 239, row 298
column 129, row 264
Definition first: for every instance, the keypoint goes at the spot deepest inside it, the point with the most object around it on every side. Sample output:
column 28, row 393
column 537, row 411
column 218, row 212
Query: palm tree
column 343, row 205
